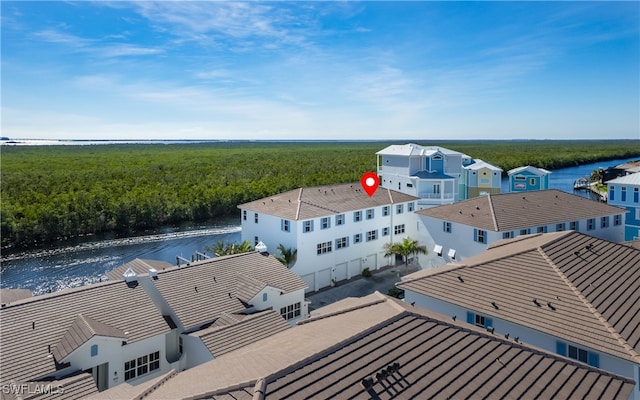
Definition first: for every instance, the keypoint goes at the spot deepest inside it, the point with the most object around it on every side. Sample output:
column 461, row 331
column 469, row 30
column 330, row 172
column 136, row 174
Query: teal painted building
column 528, row 178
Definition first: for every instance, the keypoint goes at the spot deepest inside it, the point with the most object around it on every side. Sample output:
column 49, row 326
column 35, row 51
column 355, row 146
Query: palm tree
column 288, row 255
column 405, row 248
column 224, row 248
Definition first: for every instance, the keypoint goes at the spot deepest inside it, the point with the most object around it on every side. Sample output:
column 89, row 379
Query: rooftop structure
column 528, row 178
column 625, row 192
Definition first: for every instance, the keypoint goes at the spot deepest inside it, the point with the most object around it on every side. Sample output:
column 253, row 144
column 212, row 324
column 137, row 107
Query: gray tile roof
column 587, row 290
column 631, row 179
column 29, row 327
column 139, row 266
column 314, row 202
column 509, row 211
column 76, row 386
column 81, row 330
column 12, row 295
column 224, row 339
column 329, row 356
column 203, row 291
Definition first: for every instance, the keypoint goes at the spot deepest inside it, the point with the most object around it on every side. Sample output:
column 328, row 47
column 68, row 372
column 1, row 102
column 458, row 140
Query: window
column 532, row 181
column 256, row 240
column 446, row 226
column 507, row 235
column 635, row 195
column 324, row 247
column 560, row 227
column 94, row 350
column 576, row 353
column 411, row 206
column 357, row 238
column 617, row 220
column 385, row 231
column 372, row 235
column 180, row 345
column 399, row 208
column 573, row 225
column 480, row 236
column 542, row 229
column 409, row 185
column 340, row 219
column 357, row 216
column 398, row 229
column 307, row 226
column 623, row 194
column 324, row 223
column 591, row 224
column 290, row 312
column 141, row 365
column 285, row 225
column 255, row 217
column 385, row 211
column 265, row 297
column 244, row 215
column 523, row 232
column 604, row 222
column 370, row 213
column 521, row 178
column 479, row 320
column 342, row 242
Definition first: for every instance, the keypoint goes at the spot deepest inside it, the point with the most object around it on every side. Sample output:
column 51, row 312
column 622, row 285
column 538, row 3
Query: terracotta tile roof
column 330, row 356
column 139, row 266
column 82, row 329
column 29, row 327
column 587, row 290
column 247, row 287
column 223, row 339
column 12, row 295
column 201, row 292
column 313, row 202
column 509, row 211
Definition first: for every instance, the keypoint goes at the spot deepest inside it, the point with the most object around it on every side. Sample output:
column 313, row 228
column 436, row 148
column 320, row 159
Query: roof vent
column 460, row 279
column 495, row 305
column 130, row 275
column 153, row 273
column 536, row 302
column 551, row 306
column 261, row 247
column 367, row 382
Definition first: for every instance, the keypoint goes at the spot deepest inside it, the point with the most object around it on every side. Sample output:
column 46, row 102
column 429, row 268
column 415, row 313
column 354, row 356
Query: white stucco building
column 337, row 230
column 458, row 231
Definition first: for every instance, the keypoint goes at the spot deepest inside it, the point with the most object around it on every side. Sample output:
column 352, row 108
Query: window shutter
column 561, row 348
column 594, row 360
column 475, row 234
column 488, row 322
column 347, row 241
column 281, row 224
column 311, row 225
column 471, row 318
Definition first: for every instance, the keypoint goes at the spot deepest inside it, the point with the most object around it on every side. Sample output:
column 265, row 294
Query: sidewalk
column 381, row 280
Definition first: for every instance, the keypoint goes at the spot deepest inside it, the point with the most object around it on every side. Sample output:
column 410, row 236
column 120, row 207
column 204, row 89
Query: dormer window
column 94, row 350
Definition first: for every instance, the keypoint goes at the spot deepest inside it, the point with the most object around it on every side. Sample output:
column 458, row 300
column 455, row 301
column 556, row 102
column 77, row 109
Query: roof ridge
column 614, row 333
column 59, row 293
column 299, row 203
column 493, row 214
column 390, row 196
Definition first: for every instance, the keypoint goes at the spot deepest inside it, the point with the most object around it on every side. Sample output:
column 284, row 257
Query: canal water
column 74, row 264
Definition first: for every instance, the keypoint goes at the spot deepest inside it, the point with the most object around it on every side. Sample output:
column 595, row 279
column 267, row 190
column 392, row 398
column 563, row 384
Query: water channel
column 87, row 260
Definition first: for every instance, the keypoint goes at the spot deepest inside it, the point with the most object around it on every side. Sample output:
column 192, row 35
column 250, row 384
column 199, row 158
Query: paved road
column 381, row 280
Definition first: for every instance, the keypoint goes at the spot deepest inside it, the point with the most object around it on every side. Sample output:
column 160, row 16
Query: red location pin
column 370, row 182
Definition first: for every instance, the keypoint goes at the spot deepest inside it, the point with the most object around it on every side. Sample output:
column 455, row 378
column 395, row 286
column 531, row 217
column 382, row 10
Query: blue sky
column 320, row 70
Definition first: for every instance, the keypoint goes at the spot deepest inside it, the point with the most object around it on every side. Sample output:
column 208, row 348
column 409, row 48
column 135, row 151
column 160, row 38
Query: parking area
column 381, row 280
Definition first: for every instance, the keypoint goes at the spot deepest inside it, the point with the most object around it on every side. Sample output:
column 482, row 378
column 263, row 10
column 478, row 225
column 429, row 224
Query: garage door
column 340, row 273
column 324, row 278
column 354, row 267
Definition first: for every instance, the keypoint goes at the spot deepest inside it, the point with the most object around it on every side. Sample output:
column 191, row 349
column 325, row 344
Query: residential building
column 480, row 179
column 625, row 192
column 337, row 230
column 380, row 348
column 435, row 174
column 144, row 323
column 565, row 292
column 528, row 178
column 458, row 231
